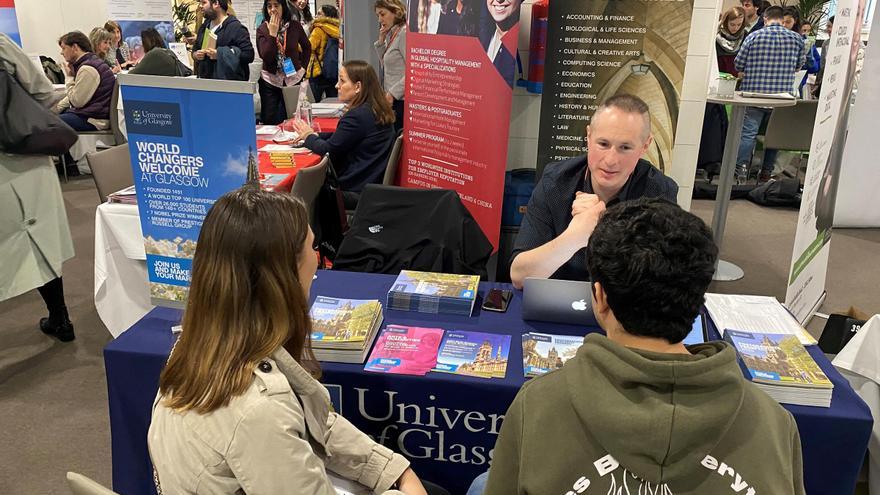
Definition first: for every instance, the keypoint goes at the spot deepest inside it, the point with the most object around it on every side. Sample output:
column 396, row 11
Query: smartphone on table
column 497, row 300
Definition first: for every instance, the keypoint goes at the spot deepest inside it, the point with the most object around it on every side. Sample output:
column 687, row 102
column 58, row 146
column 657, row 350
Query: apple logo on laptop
column 579, row 305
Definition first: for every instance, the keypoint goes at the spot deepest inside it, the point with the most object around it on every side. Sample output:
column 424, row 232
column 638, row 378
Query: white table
column 725, row 270
column 122, row 293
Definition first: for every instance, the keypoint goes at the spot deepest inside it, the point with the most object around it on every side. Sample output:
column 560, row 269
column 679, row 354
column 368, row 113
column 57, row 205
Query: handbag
column 331, row 222
column 26, row 126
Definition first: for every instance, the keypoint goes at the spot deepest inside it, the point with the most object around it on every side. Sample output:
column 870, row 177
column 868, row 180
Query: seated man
column 571, row 194
column 90, row 84
column 637, row 411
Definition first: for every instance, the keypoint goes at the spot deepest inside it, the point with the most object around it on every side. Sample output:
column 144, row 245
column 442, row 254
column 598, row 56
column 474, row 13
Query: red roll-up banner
column 459, row 84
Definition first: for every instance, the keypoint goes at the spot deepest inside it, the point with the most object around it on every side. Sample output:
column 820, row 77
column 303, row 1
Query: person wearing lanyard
column 285, row 50
column 391, row 47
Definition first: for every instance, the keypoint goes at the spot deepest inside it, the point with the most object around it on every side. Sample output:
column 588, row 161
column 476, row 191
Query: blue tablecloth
column 446, row 425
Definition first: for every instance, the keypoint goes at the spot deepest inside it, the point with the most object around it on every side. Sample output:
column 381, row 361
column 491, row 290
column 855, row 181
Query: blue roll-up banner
column 190, row 141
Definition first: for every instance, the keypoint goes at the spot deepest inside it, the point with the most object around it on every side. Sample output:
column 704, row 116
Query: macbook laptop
column 558, row 301
column 697, row 334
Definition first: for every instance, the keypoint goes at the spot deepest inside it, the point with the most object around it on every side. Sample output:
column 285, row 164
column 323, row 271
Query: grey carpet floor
column 53, row 396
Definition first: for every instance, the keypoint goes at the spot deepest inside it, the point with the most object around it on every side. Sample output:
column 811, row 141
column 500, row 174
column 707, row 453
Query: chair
column 113, row 131
column 791, row 128
column 111, row 169
column 82, row 485
column 308, row 183
column 118, row 136
column 291, row 97
column 393, row 161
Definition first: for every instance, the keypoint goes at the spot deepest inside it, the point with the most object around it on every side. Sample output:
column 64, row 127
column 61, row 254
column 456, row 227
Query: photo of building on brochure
column 783, row 356
column 474, row 354
column 436, row 284
column 544, row 353
column 342, row 319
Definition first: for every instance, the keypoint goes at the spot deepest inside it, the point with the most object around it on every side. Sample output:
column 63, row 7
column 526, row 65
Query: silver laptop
column 558, row 301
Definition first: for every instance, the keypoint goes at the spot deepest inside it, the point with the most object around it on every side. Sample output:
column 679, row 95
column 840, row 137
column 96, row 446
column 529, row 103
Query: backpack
column 330, row 63
column 52, row 70
column 784, row 192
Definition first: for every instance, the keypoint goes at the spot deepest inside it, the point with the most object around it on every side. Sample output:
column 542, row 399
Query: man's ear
column 600, row 299
column 648, row 143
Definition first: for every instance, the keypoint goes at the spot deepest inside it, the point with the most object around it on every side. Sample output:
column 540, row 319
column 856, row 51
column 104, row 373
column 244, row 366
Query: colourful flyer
column 543, row 352
column 474, row 354
column 405, row 350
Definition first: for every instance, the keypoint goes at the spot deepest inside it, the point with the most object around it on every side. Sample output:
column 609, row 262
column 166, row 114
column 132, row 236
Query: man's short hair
column 655, row 262
column 773, row 13
column 224, row 4
column 629, row 104
column 753, row 2
column 77, row 38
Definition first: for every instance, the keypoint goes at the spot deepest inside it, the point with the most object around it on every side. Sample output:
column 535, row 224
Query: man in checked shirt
column 769, row 58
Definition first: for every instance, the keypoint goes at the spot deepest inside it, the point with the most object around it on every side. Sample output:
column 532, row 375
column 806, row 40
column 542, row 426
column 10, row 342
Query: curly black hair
column 655, row 262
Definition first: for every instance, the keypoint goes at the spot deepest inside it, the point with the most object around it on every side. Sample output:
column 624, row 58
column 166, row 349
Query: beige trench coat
column 268, row 441
column 34, row 233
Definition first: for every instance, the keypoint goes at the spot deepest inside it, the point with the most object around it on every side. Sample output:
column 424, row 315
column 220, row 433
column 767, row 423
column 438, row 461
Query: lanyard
column 280, row 40
column 391, row 40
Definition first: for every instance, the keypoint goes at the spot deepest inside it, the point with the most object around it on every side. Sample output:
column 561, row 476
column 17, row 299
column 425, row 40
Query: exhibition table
column 725, row 270
column 445, row 424
column 326, row 124
column 122, row 294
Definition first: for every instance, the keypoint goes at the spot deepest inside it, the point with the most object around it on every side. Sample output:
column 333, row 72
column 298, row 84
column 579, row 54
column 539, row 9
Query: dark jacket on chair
column 231, row 34
column 397, row 228
column 358, row 149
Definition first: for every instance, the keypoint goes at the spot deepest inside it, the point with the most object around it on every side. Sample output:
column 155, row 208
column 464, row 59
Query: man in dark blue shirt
column 572, row 194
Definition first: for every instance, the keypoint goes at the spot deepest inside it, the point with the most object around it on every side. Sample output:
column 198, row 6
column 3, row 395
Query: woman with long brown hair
column 285, row 49
column 239, row 409
column 731, row 33
column 359, row 148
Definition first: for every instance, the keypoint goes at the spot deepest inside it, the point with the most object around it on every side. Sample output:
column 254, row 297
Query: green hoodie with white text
column 616, row 420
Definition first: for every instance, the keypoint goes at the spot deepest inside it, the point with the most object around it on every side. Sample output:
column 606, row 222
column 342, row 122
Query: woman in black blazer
column 360, row 145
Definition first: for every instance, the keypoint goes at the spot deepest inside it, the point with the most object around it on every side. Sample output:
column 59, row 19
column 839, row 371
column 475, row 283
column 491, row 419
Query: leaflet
column 543, row 353
column 754, row 314
column 405, row 350
column 477, row 354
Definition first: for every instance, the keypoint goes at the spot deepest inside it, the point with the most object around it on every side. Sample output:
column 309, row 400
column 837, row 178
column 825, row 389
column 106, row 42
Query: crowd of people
column 765, row 47
column 240, row 407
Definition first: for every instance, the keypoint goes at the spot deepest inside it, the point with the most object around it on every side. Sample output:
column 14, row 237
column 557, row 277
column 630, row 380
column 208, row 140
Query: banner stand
column 812, row 242
column 190, row 142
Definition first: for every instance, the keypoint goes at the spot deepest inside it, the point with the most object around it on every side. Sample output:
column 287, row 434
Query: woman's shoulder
column 360, row 112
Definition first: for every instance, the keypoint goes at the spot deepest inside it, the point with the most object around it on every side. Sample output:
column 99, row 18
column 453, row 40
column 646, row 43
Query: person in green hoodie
column 637, row 411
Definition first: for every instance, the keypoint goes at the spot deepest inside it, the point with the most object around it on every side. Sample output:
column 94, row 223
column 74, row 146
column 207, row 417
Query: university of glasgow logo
column 153, row 118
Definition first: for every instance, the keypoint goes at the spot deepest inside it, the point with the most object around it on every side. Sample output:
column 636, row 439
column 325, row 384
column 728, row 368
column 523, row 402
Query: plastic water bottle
column 305, row 111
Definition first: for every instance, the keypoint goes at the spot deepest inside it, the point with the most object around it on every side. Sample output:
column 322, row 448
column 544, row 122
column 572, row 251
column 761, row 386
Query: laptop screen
column 696, row 334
